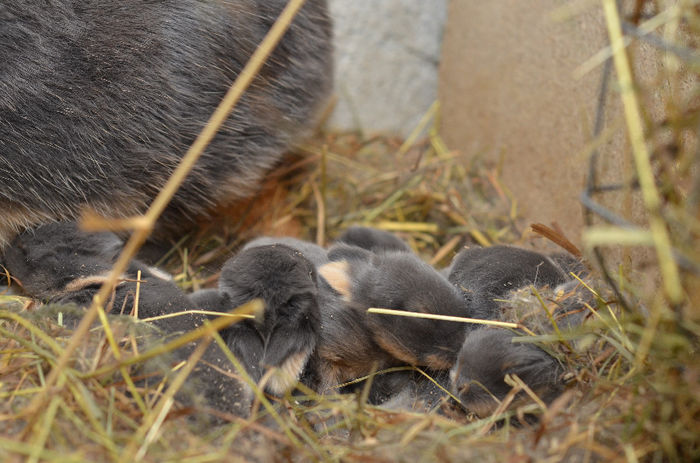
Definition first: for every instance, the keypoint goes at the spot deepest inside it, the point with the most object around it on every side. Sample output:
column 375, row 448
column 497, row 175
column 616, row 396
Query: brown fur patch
column 437, row 362
column 337, row 275
column 15, row 219
column 262, row 208
column 396, row 349
column 482, row 408
column 331, row 376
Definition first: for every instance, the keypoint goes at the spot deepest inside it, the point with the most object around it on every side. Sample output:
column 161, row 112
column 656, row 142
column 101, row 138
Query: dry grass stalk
column 650, row 194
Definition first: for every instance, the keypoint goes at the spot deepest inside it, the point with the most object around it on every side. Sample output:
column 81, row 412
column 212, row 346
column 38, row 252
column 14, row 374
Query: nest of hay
column 634, row 390
column 438, row 204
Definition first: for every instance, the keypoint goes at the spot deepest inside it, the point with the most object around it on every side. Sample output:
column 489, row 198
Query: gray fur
column 373, row 239
column 486, row 274
column 314, row 253
column 285, row 335
column 61, row 264
column 100, row 99
column 487, row 356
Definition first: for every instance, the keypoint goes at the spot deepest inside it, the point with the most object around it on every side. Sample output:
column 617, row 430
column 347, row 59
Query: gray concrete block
column 387, row 55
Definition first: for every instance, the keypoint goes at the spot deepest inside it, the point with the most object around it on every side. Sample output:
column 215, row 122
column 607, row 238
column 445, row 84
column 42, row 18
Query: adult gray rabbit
column 100, row 99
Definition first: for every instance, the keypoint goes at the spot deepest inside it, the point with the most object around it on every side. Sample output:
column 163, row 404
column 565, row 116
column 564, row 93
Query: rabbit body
column 100, row 99
column 487, row 356
column 285, row 335
column 487, row 276
column 366, row 268
column 60, row 264
column 354, row 341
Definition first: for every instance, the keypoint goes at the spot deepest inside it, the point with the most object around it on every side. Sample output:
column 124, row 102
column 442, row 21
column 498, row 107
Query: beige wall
column 507, row 89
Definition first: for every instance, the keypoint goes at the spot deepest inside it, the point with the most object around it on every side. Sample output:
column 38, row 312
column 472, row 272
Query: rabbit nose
column 463, row 388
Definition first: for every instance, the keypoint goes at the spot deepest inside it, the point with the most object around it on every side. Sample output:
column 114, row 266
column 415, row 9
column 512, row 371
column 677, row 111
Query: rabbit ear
column 344, row 251
column 288, row 350
column 373, row 239
column 337, row 275
column 246, row 344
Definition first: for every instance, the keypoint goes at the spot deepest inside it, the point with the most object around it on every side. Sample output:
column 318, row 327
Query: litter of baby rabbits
column 138, row 402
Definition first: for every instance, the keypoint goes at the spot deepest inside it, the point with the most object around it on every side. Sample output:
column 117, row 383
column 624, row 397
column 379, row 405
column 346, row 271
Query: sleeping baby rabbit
column 487, row 278
column 60, row 264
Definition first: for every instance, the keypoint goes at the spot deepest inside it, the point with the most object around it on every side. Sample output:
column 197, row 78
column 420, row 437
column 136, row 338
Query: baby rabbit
column 285, row 335
column 487, row 356
column 352, row 340
column 486, row 276
column 100, row 100
column 59, row 263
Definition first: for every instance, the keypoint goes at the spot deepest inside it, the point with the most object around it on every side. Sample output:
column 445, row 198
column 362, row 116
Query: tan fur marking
column 158, row 273
column 338, row 276
column 287, row 374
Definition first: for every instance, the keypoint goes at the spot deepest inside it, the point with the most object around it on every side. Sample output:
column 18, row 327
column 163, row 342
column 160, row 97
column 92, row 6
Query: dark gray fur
column 100, row 99
column 400, row 280
column 286, row 281
column 487, row 356
column 479, row 358
column 211, row 299
column 351, row 342
column 50, row 258
column 485, row 274
column 314, row 253
column 373, row 239
column 409, row 390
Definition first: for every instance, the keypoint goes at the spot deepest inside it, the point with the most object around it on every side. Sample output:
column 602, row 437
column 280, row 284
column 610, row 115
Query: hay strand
column 449, row 318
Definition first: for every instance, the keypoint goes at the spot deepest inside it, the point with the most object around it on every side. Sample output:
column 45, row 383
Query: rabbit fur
column 100, row 99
